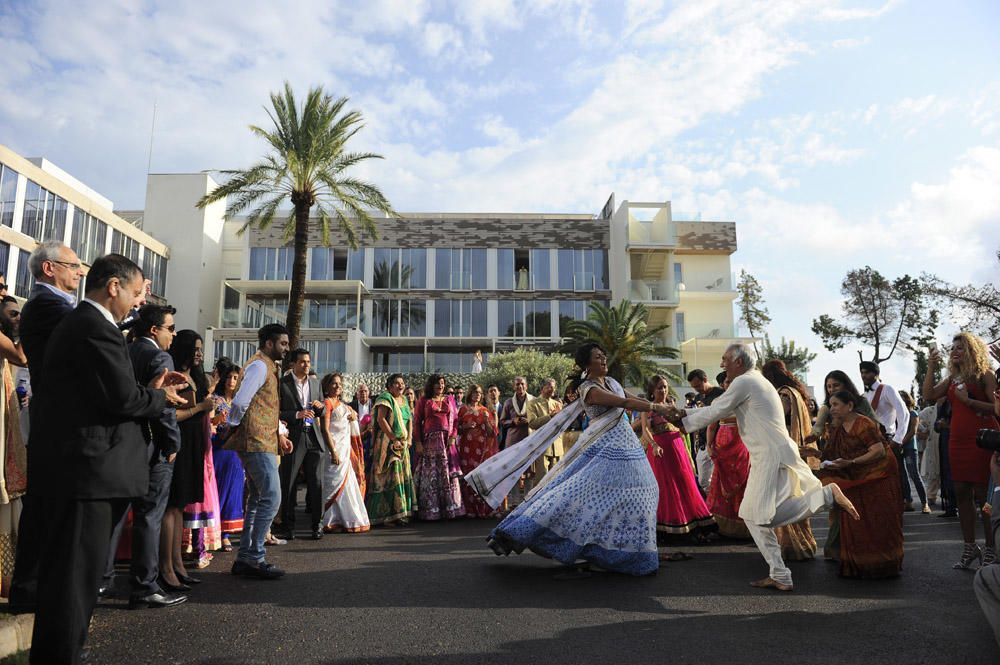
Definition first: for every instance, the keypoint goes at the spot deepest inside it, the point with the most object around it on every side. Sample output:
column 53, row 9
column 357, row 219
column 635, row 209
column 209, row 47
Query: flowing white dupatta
column 495, row 478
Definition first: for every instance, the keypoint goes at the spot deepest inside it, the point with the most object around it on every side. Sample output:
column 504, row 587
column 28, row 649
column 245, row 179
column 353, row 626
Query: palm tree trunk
column 297, row 292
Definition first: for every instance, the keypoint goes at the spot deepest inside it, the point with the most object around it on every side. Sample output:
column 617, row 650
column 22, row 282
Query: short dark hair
column 7, row 299
column 297, row 353
column 270, row 333
column 583, row 353
column 697, row 374
column 111, row 266
column 151, row 316
column 720, row 378
column 327, row 381
column 392, row 379
column 223, row 368
column 869, row 366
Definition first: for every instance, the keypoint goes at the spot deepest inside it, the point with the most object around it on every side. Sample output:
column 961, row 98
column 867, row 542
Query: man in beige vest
column 257, row 437
column 540, row 411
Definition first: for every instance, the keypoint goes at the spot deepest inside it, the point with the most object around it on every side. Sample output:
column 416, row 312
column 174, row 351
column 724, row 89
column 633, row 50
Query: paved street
column 434, row 593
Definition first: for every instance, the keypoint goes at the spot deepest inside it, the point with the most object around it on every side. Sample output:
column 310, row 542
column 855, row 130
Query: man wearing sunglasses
column 57, row 271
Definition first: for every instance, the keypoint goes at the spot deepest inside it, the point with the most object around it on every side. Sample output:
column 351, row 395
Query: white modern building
column 430, row 291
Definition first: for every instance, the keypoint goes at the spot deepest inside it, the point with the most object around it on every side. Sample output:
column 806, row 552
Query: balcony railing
column 641, row 290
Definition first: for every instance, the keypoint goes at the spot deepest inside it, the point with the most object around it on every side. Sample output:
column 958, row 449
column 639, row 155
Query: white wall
column 195, row 237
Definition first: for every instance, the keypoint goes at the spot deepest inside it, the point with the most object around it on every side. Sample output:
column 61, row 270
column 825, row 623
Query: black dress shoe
column 106, row 590
column 173, row 587
column 283, row 535
column 317, row 533
column 187, row 579
column 155, row 599
column 264, row 571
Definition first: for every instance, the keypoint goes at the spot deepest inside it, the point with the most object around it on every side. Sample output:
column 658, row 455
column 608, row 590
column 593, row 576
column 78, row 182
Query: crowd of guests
column 161, row 463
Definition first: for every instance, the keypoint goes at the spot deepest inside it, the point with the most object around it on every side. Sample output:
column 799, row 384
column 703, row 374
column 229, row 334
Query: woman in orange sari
column 857, row 458
column 477, row 431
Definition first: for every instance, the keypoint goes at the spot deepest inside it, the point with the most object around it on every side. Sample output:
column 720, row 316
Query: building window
column 679, row 325
column 24, row 280
column 460, row 269
column 154, row 267
column 8, row 194
column 574, row 310
column 385, row 360
column 4, row 260
column 583, row 269
column 326, row 355
column 329, row 263
column 525, row 318
column 260, row 311
column 88, row 236
column 274, row 263
column 122, row 244
column 44, row 214
column 399, row 318
column 397, row 268
column 230, row 308
column 331, row 313
column 460, row 318
column 452, row 361
column 678, row 274
column 522, row 269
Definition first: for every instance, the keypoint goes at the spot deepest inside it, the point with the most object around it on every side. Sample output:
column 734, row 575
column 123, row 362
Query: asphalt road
column 433, row 593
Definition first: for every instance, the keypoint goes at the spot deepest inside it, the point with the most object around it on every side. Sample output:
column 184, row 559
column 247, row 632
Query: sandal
column 970, row 553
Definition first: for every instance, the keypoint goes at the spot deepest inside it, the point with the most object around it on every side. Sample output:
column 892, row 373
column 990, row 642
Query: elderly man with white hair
column 781, row 488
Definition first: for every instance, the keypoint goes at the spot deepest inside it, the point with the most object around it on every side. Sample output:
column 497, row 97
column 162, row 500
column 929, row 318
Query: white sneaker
column 926, row 509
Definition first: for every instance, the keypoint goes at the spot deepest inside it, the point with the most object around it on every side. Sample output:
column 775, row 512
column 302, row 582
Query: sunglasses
column 172, row 327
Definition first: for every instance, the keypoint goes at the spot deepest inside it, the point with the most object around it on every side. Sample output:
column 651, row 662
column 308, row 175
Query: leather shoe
column 187, row 579
column 283, row 535
column 317, row 533
column 173, row 587
column 155, row 599
column 263, row 571
column 106, row 590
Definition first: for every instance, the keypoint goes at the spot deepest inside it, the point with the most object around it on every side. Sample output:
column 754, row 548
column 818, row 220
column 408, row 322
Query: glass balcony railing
column 641, row 290
column 584, row 281
column 461, row 280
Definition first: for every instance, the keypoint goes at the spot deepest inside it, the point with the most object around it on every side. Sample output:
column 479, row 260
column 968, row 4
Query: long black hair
column 845, row 381
column 182, row 351
column 223, row 368
column 432, row 381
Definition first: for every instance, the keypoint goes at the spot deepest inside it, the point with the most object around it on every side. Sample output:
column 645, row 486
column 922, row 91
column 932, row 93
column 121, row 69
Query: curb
column 15, row 633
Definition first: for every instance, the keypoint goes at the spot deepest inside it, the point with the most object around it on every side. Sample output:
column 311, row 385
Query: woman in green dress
column 391, row 498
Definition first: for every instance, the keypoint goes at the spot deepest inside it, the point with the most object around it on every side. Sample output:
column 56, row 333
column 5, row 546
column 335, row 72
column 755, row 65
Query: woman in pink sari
column 439, row 495
column 477, row 430
column 680, row 508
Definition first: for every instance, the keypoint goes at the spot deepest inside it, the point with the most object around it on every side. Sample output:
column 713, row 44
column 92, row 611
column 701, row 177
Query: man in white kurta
column 781, row 489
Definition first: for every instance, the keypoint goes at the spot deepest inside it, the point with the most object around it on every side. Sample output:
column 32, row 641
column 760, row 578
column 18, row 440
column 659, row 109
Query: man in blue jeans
column 257, row 436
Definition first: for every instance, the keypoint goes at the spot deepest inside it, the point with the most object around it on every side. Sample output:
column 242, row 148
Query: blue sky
column 834, row 133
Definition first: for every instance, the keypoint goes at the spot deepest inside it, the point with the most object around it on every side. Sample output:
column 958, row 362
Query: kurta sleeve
column 721, row 407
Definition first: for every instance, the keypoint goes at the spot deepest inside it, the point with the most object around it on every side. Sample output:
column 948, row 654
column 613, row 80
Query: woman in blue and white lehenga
column 599, row 502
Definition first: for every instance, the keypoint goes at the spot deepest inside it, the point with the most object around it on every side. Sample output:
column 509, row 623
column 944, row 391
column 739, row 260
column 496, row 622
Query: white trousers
column 788, row 511
column 705, row 467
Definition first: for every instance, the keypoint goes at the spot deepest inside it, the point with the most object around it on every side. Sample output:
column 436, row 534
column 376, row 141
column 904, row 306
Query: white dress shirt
column 302, row 385
column 105, row 312
column 891, row 411
column 253, row 378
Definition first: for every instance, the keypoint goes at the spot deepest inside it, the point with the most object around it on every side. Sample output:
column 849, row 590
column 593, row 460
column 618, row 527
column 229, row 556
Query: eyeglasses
column 71, row 266
column 172, row 327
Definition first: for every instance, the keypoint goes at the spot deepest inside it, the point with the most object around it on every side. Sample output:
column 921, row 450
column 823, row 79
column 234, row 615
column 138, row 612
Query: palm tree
column 623, row 331
column 307, row 167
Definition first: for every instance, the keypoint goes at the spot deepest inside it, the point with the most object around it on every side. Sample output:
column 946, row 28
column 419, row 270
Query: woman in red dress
column 969, row 387
column 729, row 477
column 477, row 431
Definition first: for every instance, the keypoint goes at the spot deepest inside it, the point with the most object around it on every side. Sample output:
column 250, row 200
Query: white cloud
column 858, row 13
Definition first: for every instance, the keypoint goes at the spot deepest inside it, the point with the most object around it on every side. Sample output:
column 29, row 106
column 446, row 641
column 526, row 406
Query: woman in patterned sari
column 439, row 495
column 797, row 541
column 477, row 429
column 857, row 458
column 729, row 477
column 391, row 498
column 13, row 457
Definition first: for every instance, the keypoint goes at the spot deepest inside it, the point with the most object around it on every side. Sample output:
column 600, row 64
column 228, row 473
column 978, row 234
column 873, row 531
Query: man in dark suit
column 302, row 408
column 57, row 272
column 94, row 458
column 154, row 333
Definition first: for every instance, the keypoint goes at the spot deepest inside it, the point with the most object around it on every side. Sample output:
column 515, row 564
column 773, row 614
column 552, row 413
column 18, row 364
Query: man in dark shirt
column 706, row 392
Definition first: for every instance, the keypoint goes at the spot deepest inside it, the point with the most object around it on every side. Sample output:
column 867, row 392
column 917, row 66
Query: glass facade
column 88, row 237
column 679, row 329
column 392, row 360
column 4, row 259
column 330, row 313
column 328, row 263
column 44, row 215
column 460, row 269
column 397, row 268
column 453, row 361
column 326, row 355
column 273, row 263
column 460, row 318
column 122, row 244
column 583, row 269
column 8, row 192
column 24, row 280
column 398, row 318
column 525, row 318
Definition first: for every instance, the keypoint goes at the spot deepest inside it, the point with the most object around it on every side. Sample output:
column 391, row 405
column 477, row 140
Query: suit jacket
column 148, row 362
column 39, row 317
column 92, row 446
column 290, row 404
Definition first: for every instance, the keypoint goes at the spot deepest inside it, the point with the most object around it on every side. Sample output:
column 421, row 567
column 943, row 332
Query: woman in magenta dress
column 969, row 387
column 477, row 430
column 439, row 495
column 680, row 508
